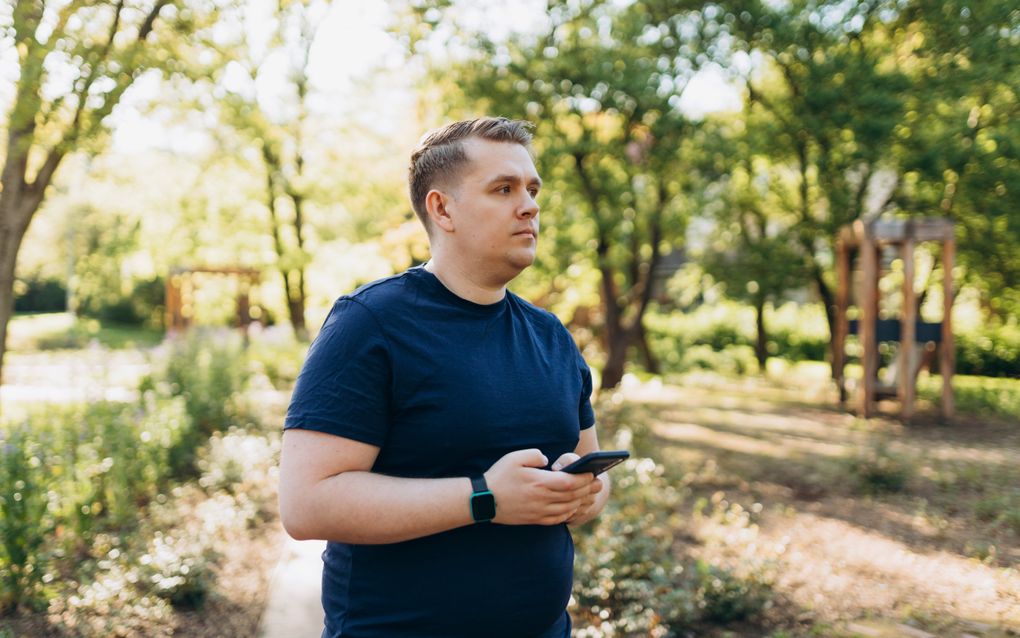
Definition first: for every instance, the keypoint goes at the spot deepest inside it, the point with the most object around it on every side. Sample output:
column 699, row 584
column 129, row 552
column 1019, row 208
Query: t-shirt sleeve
column 344, row 385
column 585, row 413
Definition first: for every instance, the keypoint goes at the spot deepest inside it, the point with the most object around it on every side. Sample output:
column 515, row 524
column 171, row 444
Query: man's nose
column 529, row 208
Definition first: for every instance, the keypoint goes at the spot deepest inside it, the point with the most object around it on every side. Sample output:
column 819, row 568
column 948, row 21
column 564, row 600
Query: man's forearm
column 368, row 508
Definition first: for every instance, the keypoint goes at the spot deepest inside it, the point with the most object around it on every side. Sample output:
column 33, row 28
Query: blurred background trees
column 75, row 61
column 837, row 111
column 851, row 110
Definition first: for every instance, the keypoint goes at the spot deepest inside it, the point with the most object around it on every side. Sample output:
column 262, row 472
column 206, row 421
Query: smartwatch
column 483, row 503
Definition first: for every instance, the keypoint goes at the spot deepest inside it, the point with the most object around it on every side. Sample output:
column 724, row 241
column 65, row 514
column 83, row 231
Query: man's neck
column 461, row 283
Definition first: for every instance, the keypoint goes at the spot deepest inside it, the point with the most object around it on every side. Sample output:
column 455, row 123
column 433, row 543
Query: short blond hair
column 440, row 155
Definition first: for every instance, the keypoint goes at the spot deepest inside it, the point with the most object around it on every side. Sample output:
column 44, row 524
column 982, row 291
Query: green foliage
column 73, row 472
column 878, row 471
column 733, row 360
column 723, row 597
column 177, row 570
column 960, row 144
column 976, row 395
column 25, row 519
column 720, row 336
column 279, row 357
column 84, row 494
column 40, row 295
column 208, row 371
column 629, row 579
column 103, row 289
column 991, row 351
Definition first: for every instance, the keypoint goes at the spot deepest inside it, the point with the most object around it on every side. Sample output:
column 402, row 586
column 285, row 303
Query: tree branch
column 150, row 20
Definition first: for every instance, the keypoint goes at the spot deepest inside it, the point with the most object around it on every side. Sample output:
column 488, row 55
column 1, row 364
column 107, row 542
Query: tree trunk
column 19, row 201
column 297, row 297
column 829, row 302
column 617, row 345
column 651, row 362
column 761, row 351
column 296, row 306
column 14, row 219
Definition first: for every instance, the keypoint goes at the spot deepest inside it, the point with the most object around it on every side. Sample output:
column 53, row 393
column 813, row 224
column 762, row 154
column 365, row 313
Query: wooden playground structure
column 869, row 239
column 180, row 287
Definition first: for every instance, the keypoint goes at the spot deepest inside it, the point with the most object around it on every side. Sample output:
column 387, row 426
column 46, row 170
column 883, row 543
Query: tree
column 830, row 105
column 751, row 251
column 602, row 83
column 75, row 63
column 960, row 143
column 925, row 92
column 281, row 139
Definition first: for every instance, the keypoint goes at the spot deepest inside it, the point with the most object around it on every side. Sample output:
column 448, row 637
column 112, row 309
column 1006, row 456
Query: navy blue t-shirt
column 445, row 388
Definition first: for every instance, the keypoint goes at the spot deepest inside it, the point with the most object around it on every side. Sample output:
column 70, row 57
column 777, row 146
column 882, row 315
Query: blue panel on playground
column 889, row 330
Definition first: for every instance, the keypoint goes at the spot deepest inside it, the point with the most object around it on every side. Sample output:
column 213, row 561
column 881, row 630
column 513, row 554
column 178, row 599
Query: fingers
column 577, row 494
column 532, row 457
column 564, row 460
column 562, row 482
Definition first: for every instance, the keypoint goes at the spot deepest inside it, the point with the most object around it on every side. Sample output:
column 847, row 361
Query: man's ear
column 436, row 203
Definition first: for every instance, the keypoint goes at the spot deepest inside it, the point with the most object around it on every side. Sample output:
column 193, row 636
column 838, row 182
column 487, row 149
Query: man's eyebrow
column 514, row 179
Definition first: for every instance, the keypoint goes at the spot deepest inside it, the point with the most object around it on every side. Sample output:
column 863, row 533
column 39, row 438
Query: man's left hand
column 587, row 509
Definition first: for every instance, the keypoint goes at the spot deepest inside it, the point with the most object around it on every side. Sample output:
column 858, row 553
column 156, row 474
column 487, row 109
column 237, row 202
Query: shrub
column 629, row 578
column 721, row 596
column 879, row 472
column 69, row 472
column 25, row 518
column 734, row 360
column 278, row 355
column 141, row 304
column 242, row 466
column 992, row 351
column 208, row 370
column 40, row 295
column 683, row 341
column 111, row 604
column 977, row 395
column 177, row 570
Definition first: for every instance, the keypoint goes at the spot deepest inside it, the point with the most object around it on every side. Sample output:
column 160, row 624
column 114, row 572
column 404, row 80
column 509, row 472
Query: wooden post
column 869, row 303
column 842, row 323
column 173, row 303
column 908, row 333
column 947, row 360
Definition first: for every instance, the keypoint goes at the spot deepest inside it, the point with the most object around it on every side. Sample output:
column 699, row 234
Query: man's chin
column 522, row 260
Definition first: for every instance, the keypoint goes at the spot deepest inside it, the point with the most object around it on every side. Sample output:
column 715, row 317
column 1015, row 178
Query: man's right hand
column 527, row 494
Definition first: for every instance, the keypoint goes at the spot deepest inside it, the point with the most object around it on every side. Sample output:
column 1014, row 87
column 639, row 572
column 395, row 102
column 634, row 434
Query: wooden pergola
column 180, row 284
column 869, row 239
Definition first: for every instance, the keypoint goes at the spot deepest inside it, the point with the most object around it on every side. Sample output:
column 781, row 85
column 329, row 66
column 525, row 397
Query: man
column 419, row 437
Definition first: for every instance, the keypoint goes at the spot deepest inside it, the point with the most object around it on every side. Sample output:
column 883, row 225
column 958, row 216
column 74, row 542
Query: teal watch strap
column 483, row 502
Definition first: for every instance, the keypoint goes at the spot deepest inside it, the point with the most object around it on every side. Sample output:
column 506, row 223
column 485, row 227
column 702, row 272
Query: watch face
column 483, row 506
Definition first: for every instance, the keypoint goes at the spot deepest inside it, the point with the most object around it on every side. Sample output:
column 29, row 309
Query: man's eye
column 505, row 190
column 534, row 192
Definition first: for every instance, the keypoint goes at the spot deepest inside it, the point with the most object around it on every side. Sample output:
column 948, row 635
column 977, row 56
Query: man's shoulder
column 537, row 314
column 382, row 294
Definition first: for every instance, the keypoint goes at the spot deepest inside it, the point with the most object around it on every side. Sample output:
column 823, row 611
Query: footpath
column 293, row 608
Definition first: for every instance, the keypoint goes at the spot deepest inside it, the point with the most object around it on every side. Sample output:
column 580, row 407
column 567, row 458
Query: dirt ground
column 937, row 556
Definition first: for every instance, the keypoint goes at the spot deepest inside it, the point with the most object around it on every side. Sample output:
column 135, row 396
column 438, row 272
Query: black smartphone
column 597, row 462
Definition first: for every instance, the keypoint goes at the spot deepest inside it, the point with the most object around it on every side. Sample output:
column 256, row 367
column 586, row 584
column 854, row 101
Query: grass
column 64, row 331
column 977, row 395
